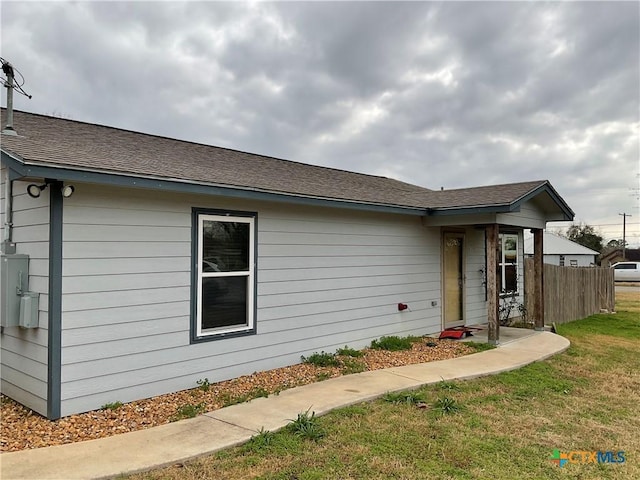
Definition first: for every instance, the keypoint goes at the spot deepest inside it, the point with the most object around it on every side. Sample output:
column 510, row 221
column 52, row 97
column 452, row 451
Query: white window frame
column 250, row 274
column 503, row 263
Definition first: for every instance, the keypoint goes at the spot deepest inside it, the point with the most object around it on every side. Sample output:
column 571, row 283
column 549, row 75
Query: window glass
column 224, row 302
column 508, row 257
column 225, row 246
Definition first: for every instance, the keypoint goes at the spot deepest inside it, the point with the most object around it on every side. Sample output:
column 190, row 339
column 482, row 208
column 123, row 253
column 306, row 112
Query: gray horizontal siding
column 27, row 390
column 294, row 262
column 123, row 315
column 23, row 358
column 326, row 278
column 125, row 282
column 79, row 267
column 529, row 216
column 131, row 297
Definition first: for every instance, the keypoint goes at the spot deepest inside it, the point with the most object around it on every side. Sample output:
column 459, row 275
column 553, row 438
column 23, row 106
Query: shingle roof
column 61, row 143
column 491, row 195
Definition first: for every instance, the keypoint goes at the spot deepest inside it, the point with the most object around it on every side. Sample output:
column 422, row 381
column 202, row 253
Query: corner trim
column 54, row 347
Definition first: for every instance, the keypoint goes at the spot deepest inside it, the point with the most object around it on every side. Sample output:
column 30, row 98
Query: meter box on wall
column 18, row 306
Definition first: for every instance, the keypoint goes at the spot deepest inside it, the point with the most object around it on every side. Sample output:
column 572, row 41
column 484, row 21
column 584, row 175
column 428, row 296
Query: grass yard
column 501, row 427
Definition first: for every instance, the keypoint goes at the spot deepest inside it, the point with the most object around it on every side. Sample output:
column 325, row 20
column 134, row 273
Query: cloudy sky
column 445, row 94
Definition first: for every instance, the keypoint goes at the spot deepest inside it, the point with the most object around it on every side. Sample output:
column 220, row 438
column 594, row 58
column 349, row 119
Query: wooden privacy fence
column 571, row 293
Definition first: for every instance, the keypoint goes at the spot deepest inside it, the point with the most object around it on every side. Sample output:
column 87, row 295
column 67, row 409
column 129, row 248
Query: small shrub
column 431, row 343
column 306, row 426
column 322, row 359
column 188, row 410
column 350, row 366
column 524, row 314
column 349, row 352
column 444, row 385
column 394, row 343
column 410, row 398
column 321, row 376
column 112, row 406
column 227, row 399
column 259, row 392
column 446, row 405
column 263, row 439
column 204, row 385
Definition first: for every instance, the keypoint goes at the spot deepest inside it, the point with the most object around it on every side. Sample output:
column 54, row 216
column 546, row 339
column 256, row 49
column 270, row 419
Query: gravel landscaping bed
column 23, row 429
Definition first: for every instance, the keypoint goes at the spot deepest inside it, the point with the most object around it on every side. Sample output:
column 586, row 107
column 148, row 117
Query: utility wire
column 10, row 70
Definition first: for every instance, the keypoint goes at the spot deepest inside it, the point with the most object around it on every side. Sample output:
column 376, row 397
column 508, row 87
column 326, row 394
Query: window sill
column 210, row 337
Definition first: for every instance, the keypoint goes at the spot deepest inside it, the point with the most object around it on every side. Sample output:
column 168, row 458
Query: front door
column 453, row 268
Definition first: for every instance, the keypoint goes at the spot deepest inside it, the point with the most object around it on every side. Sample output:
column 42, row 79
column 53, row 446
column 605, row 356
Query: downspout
column 7, row 242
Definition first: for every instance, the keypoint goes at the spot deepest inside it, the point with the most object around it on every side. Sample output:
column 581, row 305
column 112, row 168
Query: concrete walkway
column 220, row 429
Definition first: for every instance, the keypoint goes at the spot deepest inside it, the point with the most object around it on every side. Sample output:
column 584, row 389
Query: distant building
column 614, row 256
column 562, row 251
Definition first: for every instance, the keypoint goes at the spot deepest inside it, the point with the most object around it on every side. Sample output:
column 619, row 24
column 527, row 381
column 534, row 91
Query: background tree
column 586, row 236
column 615, row 244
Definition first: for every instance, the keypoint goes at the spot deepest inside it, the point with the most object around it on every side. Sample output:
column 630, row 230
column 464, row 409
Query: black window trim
column 195, row 214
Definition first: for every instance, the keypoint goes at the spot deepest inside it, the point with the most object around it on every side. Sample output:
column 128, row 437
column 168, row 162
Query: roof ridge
column 493, row 185
column 191, row 142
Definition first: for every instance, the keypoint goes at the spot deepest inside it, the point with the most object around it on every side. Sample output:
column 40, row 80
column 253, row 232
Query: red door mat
column 458, row 332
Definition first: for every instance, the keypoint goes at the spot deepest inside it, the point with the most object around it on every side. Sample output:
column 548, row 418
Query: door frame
column 457, row 233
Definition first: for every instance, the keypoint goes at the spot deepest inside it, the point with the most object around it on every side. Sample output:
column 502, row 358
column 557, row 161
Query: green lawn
column 505, row 427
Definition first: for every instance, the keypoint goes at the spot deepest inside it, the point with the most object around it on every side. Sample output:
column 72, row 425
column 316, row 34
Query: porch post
column 538, row 274
column 493, row 291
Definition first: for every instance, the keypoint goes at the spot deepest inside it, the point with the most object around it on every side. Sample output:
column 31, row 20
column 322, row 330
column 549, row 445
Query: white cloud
column 439, row 94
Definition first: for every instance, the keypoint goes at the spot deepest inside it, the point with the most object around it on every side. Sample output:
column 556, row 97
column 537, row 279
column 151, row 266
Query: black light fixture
column 34, row 190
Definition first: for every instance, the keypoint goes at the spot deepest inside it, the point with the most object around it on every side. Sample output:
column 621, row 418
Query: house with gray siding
column 135, row 265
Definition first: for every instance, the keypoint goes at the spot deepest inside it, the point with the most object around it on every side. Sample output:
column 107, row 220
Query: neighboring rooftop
column 613, row 256
column 58, row 143
column 553, row 244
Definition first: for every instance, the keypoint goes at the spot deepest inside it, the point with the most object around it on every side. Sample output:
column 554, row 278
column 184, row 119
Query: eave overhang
column 544, row 188
column 21, row 169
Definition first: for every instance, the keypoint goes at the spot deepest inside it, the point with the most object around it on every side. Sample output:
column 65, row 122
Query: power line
column 10, row 71
column 611, row 224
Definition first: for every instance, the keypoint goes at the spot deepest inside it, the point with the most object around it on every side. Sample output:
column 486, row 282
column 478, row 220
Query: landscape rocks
column 24, row 429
